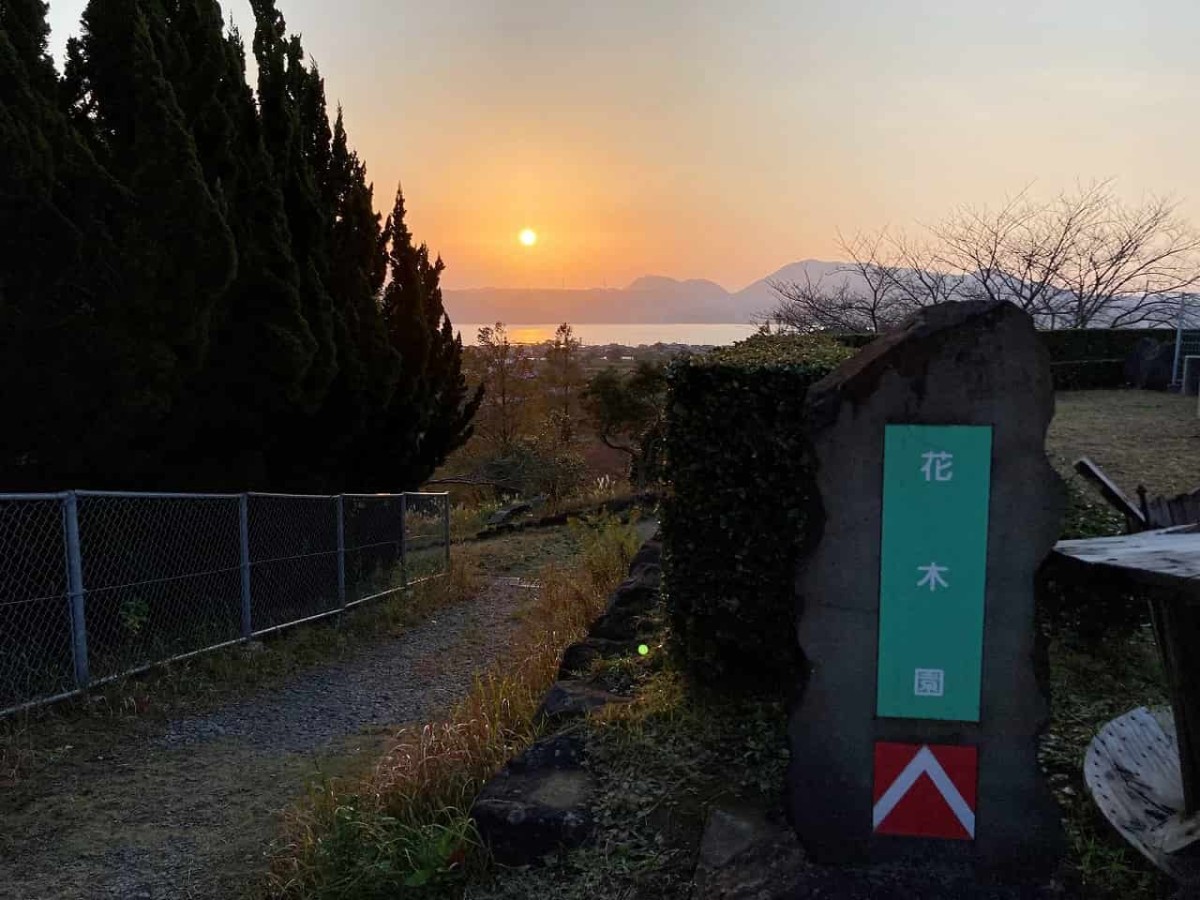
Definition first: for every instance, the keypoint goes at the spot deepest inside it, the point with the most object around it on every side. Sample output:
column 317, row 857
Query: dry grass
column 405, row 826
column 1137, row 437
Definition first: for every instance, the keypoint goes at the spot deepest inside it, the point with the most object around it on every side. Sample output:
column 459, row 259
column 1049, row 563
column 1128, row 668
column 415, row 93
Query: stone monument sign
column 914, row 738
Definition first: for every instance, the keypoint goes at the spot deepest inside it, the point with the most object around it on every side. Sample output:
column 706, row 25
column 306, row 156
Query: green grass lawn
column 1137, row 437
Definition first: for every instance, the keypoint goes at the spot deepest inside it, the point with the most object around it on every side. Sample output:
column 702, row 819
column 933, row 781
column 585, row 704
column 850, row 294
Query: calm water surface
column 629, row 335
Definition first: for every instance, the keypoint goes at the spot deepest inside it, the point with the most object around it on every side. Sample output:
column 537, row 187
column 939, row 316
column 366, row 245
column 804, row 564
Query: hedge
column 1071, row 344
column 1089, row 374
column 1090, row 344
column 741, row 501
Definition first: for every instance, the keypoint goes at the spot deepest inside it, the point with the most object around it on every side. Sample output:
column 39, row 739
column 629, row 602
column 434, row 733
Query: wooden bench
column 1144, row 771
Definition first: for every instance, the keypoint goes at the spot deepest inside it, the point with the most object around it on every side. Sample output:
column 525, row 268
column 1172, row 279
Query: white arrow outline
column 924, row 763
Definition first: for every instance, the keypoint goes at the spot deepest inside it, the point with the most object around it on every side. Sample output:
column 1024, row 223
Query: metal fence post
column 446, row 527
column 79, row 647
column 404, row 540
column 244, row 529
column 1176, row 375
column 341, row 553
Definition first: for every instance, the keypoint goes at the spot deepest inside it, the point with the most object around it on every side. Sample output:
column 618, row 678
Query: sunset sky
column 720, row 140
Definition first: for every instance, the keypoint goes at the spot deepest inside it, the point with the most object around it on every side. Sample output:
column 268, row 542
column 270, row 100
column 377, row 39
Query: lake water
column 629, row 335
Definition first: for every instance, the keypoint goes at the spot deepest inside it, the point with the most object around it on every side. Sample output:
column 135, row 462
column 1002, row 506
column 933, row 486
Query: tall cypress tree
column 430, row 412
column 262, row 346
column 368, row 366
column 199, row 277
column 453, row 405
column 297, row 135
column 43, row 180
column 32, row 146
column 175, row 255
column 287, row 95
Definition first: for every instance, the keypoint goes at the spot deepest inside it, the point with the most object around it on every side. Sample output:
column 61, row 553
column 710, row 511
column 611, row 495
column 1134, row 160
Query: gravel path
column 189, row 812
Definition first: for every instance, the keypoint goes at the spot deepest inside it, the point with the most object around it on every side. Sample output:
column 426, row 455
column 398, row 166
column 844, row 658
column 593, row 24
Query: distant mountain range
column 651, row 299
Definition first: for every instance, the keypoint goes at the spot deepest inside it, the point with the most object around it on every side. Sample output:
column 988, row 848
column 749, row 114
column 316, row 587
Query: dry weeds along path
column 189, row 812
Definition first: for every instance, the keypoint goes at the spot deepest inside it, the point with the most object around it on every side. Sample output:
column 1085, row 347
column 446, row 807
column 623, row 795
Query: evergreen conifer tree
column 288, row 96
column 174, row 253
column 368, row 366
column 41, row 249
column 430, row 412
column 262, row 346
column 192, row 277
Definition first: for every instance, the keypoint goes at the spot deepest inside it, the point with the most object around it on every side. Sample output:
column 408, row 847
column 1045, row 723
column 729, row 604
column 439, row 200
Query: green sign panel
column 936, row 482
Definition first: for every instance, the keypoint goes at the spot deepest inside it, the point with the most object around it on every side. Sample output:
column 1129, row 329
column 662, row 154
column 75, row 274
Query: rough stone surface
column 729, row 832
column 1149, row 366
column 568, row 700
column 506, row 514
column 962, row 363
column 744, row 855
column 538, row 803
column 624, row 618
column 579, row 658
column 899, row 882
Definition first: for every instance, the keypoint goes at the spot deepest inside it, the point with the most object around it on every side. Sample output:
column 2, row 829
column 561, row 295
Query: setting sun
column 528, row 237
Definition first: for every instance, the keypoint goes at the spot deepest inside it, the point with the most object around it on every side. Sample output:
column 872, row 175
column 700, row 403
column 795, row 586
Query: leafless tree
column 506, row 371
column 1081, row 259
column 1130, row 268
column 887, row 277
column 922, row 279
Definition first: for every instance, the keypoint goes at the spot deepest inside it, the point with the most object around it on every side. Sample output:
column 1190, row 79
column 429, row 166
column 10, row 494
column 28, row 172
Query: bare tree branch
column 1082, row 259
column 885, row 280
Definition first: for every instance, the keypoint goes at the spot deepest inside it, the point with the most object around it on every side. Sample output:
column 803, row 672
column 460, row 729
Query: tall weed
column 406, row 825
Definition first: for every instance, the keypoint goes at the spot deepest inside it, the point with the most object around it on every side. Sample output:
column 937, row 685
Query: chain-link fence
column 95, row 584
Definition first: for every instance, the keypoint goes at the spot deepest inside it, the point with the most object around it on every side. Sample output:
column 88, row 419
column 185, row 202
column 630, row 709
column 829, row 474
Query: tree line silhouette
column 195, row 289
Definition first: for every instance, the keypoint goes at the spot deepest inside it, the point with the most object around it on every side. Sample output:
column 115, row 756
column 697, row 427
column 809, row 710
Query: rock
column 745, row 857
column 1150, row 365
column 634, row 599
column 969, row 363
column 622, row 625
column 538, row 803
column 506, row 514
column 579, row 658
column 572, row 699
column 729, row 832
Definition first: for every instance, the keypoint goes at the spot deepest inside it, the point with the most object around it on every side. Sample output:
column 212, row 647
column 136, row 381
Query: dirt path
column 189, row 811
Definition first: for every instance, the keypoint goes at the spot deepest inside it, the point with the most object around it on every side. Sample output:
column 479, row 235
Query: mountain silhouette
column 651, row 299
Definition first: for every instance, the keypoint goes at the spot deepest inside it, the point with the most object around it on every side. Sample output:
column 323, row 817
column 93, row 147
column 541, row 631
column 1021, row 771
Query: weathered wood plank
column 1176, row 626
column 1134, row 519
column 1132, row 772
column 1167, row 557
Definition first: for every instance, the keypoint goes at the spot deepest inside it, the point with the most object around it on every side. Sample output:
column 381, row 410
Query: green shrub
column 1089, row 374
column 1070, row 345
column 740, row 503
column 1079, row 344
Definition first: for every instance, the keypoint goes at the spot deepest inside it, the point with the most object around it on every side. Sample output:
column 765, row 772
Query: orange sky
column 720, row 140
